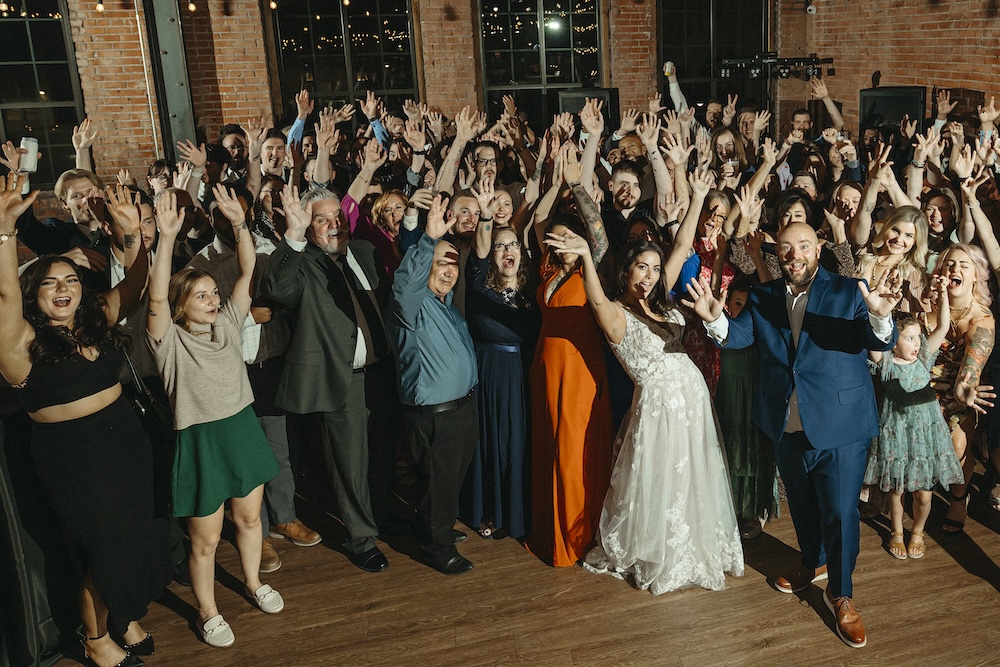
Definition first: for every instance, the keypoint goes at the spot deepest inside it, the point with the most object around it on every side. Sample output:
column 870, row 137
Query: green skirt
column 220, row 460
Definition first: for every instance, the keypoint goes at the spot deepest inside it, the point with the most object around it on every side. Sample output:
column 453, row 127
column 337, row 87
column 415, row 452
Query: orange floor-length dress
column 571, row 432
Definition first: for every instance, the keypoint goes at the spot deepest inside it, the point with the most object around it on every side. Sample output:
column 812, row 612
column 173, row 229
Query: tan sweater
column 205, row 377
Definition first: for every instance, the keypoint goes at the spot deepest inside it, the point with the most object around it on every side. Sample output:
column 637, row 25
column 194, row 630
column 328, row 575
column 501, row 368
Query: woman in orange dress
column 571, row 431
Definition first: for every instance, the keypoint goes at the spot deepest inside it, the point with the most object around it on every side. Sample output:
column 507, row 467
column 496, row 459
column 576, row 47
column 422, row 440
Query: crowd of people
column 478, row 306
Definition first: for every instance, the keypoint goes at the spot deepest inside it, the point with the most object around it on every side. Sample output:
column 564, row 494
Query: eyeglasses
column 161, row 177
column 484, row 161
column 504, row 247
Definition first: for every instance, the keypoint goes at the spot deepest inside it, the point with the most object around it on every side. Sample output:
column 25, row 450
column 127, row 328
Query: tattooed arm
column 123, row 299
column 978, row 346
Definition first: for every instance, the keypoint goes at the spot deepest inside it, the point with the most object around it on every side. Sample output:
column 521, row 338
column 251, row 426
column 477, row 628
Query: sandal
column 916, row 549
column 897, row 548
column 954, row 526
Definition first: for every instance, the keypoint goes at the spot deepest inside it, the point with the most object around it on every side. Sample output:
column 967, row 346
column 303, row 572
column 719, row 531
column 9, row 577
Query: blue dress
column 504, row 329
column 913, row 451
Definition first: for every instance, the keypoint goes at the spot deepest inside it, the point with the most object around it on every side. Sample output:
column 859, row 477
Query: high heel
column 144, row 647
column 129, row 661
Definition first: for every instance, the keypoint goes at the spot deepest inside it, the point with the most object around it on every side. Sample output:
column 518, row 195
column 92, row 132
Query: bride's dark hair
column 55, row 343
column 658, row 299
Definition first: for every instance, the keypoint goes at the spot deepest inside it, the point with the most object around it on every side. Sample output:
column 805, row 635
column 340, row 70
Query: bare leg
column 921, row 510
column 246, row 516
column 205, row 532
column 958, row 509
column 135, row 633
column 896, row 545
column 97, row 642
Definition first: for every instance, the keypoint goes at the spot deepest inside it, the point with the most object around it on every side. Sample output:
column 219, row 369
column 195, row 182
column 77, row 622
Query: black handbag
column 155, row 415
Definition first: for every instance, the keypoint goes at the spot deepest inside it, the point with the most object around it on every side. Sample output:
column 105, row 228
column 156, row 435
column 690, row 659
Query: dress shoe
column 296, row 532
column 128, row 661
column 270, row 561
column 849, row 625
column 457, row 564
column 372, row 560
column 459, row 536
column 800, row 579
column 144, row 647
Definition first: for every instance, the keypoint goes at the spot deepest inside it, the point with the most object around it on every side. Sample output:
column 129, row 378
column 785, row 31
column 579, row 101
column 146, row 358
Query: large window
column 697, row 35
column 338, row 50
column 39, row 90
column 532, row 49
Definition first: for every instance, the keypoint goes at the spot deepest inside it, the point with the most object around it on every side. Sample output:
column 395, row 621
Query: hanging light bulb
column 191, row 7
column 100, row 6
column 274, row 5
column 4, row 6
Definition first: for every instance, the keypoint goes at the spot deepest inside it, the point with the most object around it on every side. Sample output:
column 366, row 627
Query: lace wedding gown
column 668, row 519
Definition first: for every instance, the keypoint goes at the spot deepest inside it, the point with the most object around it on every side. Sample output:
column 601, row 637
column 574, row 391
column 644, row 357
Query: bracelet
column 485, row 219
column 672, row 223
column 918, row 165
column 416, row 152
column 6, row 237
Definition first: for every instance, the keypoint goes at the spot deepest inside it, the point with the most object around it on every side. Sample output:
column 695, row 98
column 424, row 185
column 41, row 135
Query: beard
column 803, row 278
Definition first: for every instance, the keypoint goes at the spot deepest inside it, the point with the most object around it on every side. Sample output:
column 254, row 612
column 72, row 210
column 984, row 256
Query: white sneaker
column 216, row 632
column 269, row 600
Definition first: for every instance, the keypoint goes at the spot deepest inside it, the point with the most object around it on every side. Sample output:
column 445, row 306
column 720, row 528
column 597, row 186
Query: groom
column 815, row 400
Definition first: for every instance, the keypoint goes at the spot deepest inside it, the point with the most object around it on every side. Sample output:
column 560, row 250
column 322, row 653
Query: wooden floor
column 513, row 610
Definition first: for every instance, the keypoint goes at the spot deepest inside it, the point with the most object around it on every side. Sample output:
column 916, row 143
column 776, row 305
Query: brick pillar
column 633, row 48
column 448, row 39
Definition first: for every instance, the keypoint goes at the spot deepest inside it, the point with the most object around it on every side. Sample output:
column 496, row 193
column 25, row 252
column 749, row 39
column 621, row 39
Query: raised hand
column 988, row 114
column 571, row 167
column 343, row 114
column 701, row 182
column 655, row 106
column 509, row 106
column 908, row 127
column 944, row 104
column 569, row 243
column 297, row 218
column 750, row 205
column 885, row 295
column 169, row 219
column 962, row 164
column 486, row 196
column 11, row 204
column 971, row 184
column 768, row 151
column 125, row 178
column 414, row 135
column 676, row 151
column 373, row 156
column 370, row 106
column 421, row 198
column 124, row 212
column 255, row 131
column 817, row 89
column 924, row 144
column 435, row 123
column 327, row 134
column 465, row 123
column 591, row 118
column 649, row 131
column 437, row 225
column 196, row 155
column 703, row 302
column 412, row 110
column 795, row 137
column 303, row 105
column 761, row 120
column 976, row 397
column 729, row 111
column 673, row 123
column 229, row 204
column 669, row 206
column 182, row 175
column 12, row 156
column 84, row 134
column 629, row 120
column 830, row 135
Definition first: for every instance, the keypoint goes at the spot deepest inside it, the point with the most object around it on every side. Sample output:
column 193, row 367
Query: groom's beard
column 800, row 277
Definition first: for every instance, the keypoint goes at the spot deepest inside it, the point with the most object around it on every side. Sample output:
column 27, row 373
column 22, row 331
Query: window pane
column 398, row 72
column 331, row 74
column 527, row 67
column 18, row 85
column 524, row 31
column 557, row 31
column 365, row 34
column 396, row 31
column 585, row 31
column 47, row 40
column 558, row 67
column 14, row 42
column 496, row 32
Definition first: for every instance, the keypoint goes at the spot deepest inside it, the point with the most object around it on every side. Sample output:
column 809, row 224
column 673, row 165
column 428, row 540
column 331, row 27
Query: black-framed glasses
column 485, row 161
column 504, row 247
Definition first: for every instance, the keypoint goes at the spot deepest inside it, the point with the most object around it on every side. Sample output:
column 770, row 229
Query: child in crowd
column 913, row 451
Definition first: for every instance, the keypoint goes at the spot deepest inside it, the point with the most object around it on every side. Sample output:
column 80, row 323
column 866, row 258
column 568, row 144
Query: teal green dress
column 913, row 451
column 752, row 472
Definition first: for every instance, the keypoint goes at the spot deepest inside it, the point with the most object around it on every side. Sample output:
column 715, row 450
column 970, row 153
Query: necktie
column 366, row 313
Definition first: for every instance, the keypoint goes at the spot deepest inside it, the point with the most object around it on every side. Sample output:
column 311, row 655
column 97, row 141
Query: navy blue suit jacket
column 828, row 368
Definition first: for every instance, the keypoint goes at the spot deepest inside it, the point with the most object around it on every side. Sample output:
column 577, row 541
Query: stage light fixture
column 784, row 71
column 754, row 72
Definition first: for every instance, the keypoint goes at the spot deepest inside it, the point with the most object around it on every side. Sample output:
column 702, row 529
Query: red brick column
column 633, row 49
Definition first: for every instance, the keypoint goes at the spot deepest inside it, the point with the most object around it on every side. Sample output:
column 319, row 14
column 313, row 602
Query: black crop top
column 69, row 380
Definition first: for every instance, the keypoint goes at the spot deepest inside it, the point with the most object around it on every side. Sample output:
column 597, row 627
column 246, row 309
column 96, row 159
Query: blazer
column 318, row 368
column 829, row 368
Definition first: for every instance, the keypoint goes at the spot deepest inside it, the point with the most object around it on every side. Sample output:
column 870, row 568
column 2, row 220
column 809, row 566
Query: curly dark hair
column 56, row 343
column 659, row 298
column 493, row 279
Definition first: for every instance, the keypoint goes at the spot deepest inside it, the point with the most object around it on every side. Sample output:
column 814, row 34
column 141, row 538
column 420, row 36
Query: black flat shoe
column 372, row 560
column 458, row 564
column 145, row 647
column 459, row 536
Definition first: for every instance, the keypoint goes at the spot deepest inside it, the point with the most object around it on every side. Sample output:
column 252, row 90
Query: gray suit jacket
column 318, row 368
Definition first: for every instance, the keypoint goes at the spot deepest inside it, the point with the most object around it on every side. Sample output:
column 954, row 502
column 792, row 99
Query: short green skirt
column 219, row 460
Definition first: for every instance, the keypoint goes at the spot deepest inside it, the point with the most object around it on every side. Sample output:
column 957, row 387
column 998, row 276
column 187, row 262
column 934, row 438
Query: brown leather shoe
column 269, row 559
column 800, row 579
column 296, row 532
column 849, row 625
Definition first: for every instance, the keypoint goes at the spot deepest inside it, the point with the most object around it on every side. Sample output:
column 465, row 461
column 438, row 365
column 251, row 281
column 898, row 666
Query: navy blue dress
column 504, row 329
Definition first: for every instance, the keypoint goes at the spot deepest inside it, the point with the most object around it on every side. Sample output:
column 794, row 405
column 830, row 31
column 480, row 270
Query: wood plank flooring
column 513, row 610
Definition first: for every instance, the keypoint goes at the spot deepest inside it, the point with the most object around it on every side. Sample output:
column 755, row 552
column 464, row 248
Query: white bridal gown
column 668, row 520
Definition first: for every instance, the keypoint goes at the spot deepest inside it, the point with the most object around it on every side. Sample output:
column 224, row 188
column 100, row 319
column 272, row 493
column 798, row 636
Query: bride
column 668, row 518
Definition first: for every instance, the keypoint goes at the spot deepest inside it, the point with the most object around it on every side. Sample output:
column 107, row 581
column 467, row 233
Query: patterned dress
column 913, row 451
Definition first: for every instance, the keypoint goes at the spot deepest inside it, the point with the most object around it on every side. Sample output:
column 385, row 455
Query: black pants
column 441, row 445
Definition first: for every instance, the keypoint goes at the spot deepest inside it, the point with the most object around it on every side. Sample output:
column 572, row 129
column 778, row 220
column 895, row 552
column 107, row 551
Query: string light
column 273, row 5
column 100, row 6
column 191, row 7
column 4, row 7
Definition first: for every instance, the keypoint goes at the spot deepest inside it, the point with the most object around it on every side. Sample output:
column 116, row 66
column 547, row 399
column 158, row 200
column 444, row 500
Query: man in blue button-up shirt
column 437, row 373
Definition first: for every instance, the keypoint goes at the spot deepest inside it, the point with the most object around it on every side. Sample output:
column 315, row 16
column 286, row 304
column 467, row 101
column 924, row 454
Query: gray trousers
column 279, row 493
column 344, row 436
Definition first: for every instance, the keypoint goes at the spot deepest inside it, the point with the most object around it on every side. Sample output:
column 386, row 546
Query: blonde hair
column 382, row 203
column 913, row 266
column 74, row 175
column 981, row 290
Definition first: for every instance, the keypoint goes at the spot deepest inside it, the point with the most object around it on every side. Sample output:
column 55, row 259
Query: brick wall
column 634, row 66
column 110, row 63
column 448, row 48
column 954, row 44
column 227, row 63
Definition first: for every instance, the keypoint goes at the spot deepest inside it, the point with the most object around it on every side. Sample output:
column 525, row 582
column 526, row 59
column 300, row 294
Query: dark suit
column 822, row 464
column 318, row 375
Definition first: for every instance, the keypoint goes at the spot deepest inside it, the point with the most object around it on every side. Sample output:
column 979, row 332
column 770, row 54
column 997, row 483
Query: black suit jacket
column 318, row 368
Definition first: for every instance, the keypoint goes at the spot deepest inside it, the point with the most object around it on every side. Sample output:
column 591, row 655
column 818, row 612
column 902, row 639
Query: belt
column 358, row 371
column 502, row 348
column 440, row 408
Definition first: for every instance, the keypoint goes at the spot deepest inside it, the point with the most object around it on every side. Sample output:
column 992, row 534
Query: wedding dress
column 668, row 520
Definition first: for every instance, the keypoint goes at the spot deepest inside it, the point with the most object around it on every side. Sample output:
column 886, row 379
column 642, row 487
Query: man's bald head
column 798, row 251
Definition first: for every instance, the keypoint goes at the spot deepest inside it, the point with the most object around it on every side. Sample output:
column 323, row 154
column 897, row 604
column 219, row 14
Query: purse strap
column 136, row 379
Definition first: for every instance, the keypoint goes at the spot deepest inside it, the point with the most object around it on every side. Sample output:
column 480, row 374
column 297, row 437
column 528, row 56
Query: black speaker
column 888, row 105
column 573, row 100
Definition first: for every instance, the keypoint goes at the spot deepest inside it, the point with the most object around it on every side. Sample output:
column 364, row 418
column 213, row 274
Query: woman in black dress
column 504, row 322
column 60, row 350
